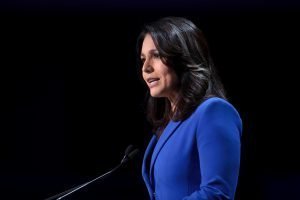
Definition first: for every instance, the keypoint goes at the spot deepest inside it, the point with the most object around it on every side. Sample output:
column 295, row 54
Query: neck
column 173, row 101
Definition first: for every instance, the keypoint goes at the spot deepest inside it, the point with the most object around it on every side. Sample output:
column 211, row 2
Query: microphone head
column 128, row 149
column 129, row 156
column 133, row 153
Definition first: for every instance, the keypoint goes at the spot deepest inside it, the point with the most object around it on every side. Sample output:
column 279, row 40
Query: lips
column 152, row 82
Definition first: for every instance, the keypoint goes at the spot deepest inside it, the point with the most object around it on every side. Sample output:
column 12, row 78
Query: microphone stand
column 128, row 156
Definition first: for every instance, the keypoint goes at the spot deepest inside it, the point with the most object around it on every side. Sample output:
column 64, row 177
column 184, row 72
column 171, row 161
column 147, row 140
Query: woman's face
column 160, row 78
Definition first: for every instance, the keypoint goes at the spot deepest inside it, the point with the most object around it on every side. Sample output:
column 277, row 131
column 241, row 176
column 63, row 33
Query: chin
column 156, row 94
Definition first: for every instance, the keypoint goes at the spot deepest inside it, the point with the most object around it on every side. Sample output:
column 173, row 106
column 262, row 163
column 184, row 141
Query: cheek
column 171, row 78
column 143, row 76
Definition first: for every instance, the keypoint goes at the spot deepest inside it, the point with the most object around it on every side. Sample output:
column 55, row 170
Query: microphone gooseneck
column 129, row 154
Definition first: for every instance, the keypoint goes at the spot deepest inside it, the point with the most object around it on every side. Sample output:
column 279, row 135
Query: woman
column 195, row 151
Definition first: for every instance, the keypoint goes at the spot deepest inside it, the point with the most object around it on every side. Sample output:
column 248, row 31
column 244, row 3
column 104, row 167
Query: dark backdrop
column 72, row 101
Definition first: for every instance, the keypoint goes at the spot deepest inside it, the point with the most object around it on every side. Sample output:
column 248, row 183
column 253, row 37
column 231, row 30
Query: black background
column 72, row 100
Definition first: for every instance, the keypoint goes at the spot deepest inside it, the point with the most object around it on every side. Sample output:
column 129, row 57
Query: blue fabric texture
column 198, row 158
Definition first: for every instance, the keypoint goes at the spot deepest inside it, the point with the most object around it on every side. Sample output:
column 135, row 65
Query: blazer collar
column 167, row 133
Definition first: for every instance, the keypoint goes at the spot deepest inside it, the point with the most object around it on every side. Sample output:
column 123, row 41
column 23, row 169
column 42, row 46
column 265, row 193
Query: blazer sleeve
column 218, row 136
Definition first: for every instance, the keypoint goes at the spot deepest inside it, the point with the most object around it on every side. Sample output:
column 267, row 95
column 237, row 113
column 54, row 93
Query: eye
column 142, row 60
column 156, row 55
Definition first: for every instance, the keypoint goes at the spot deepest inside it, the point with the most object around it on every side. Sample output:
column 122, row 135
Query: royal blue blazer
column 198, row 158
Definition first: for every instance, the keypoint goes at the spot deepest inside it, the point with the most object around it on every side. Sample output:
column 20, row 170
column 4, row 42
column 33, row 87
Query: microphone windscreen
column 133, row 153
column 128, row 149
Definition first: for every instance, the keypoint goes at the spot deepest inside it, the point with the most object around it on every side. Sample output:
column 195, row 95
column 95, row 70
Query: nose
column 147, row 67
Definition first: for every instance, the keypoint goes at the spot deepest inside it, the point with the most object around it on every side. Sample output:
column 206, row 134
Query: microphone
column 127, row 151
column 129, row 154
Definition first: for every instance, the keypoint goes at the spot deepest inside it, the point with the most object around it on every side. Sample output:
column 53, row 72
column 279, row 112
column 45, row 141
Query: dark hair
column 183, row 47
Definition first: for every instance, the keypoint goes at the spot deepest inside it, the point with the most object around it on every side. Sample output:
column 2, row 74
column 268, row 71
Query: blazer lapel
column 167, row 133
column 146, row 164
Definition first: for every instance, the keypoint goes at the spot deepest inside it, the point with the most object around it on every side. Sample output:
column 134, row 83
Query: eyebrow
column 151, row 51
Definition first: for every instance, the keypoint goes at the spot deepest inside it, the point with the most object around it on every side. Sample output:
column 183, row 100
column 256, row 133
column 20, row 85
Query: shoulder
column 215, row 104
column 217, row 108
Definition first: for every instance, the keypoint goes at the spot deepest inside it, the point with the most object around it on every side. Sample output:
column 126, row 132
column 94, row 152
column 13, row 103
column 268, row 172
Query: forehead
column 148, row 44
